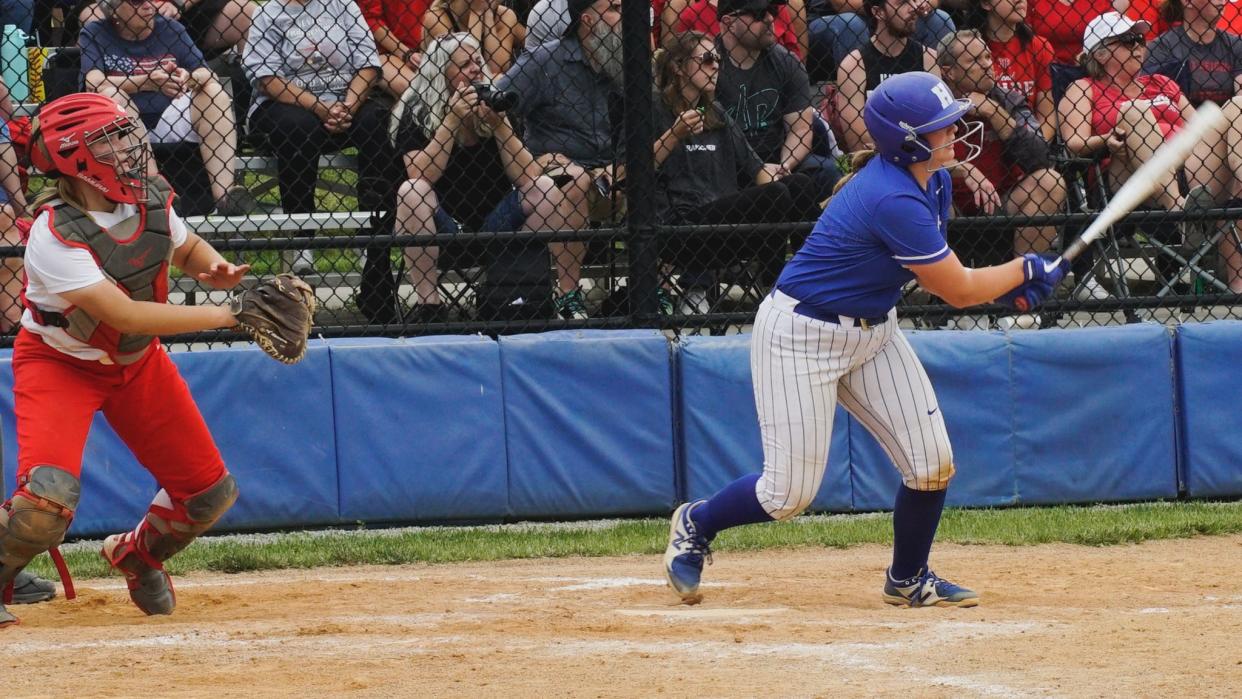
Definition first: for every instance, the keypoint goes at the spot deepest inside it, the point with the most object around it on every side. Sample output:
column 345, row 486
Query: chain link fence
column 462, row 166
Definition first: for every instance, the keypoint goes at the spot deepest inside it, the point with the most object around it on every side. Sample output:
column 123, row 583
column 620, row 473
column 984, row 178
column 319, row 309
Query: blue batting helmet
column 906, row 107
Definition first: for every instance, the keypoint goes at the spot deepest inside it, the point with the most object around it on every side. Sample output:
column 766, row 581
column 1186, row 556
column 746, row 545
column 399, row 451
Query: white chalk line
column 185, row 584
column 709, row 613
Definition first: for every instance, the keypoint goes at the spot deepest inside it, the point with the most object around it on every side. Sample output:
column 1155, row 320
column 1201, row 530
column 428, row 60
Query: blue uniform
column 827, row 335
column 853, row 262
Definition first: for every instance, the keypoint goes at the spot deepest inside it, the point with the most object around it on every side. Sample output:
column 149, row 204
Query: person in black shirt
column 467, row 168
column 891, row 51
column 765, row 89
column 701, row 157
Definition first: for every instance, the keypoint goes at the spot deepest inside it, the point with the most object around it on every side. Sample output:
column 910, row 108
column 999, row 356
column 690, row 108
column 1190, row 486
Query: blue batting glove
column 1027, row 295
column 1044, row 268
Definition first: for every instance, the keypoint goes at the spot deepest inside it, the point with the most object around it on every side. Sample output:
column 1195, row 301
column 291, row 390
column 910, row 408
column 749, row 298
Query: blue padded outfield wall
column 575, row 424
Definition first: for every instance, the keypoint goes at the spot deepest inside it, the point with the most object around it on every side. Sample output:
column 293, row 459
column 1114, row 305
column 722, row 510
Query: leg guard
column 34, row 520
column 170, row 526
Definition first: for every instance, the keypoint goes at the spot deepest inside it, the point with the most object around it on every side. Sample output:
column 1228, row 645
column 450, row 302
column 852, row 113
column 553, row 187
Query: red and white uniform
column 61, row 382
column 52, row 267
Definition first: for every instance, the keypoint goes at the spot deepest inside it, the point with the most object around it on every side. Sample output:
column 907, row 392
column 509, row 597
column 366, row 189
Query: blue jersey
column 853, row 262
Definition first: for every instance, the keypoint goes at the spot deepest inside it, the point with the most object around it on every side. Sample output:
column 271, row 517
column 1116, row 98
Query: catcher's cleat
column 150, row 588
column 686, row 552
column 927, row 590
column 31, row 589
column 6, row 618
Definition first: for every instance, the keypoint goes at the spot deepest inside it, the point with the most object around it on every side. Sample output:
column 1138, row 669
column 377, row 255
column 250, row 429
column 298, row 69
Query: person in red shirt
column 1013, row 156
column 1020, row 57
column 1130, row 114
column 397, row 26
column 1119, row 109
column 700, row 16
column 1062, row 22
column 1152, row 12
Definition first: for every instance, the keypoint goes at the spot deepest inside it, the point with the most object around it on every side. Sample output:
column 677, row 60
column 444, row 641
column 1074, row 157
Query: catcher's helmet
column 908, row 106
column 61, row 136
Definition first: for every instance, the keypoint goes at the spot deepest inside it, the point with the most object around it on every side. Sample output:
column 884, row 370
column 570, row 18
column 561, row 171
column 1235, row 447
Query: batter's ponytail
column 858, row 160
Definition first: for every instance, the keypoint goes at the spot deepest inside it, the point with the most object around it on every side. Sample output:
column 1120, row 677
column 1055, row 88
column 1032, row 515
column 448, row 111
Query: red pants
column 147, row 403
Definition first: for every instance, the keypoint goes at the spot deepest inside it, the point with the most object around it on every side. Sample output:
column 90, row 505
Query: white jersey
column 53, row 268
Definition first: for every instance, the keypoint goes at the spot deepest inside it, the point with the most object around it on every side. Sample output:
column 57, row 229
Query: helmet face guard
column 971, row 137
column 118, row 146
column 89, row 137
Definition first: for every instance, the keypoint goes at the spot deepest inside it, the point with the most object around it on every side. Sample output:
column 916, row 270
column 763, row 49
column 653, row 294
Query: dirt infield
column 1155, row 619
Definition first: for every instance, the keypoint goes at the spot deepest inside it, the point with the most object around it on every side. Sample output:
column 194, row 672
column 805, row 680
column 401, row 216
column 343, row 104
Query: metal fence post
column 640, row 173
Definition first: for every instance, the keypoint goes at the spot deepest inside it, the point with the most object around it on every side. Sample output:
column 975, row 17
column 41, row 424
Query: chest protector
column 134, row 254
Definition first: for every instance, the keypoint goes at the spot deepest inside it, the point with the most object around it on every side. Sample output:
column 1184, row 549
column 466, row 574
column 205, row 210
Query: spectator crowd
column 493, row 117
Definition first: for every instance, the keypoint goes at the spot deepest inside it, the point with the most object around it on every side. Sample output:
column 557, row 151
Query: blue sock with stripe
column 915, row 518
column 734, row 505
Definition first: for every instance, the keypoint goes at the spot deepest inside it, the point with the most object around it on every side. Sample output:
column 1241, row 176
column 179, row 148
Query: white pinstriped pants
column 801, row 368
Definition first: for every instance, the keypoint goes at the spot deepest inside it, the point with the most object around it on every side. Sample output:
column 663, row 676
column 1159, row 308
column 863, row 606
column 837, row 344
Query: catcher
column 97, row 259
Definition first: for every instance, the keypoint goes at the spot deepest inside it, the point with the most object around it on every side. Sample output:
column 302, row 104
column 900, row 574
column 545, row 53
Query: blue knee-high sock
column 734, row 505
column 915, row 518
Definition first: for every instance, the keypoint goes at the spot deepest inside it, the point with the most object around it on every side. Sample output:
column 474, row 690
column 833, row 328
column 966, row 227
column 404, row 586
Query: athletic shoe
column 30, row 589
column 150, row 588
column 686, row 552
column 927, row 590
column 237, row 201
column 571, row 305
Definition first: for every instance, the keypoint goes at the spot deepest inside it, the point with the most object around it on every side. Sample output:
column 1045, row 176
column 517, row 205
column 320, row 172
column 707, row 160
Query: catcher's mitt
column 277, row 314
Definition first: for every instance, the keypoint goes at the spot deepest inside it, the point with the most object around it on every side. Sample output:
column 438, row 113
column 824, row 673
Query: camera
column 496, row 100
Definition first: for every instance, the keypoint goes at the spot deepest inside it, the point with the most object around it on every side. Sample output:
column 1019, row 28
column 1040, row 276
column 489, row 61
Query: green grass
column 1091, row 526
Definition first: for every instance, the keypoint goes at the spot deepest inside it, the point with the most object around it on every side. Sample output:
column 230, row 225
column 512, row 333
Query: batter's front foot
column 927, row 590
column 150, row 588
column 687, row 551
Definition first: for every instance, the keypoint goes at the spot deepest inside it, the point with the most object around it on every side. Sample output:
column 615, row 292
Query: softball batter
column 828, row 333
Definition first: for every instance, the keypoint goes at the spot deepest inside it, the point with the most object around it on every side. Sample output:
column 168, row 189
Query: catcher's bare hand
column 277, row 313
column 223, row 275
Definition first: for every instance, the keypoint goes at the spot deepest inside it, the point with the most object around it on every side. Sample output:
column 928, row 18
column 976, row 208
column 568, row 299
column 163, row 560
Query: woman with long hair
column 701, row 156
column 468, row 169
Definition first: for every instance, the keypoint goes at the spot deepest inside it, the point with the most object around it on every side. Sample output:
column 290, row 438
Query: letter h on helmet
column 906, row 107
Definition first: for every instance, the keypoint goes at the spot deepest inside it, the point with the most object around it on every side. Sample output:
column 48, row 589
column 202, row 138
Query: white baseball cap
column 1109, row 25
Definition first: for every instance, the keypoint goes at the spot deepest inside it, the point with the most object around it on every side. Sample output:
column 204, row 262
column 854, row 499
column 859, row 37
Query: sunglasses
column 760, row 16
column 707, row 58
column 1130, row 40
